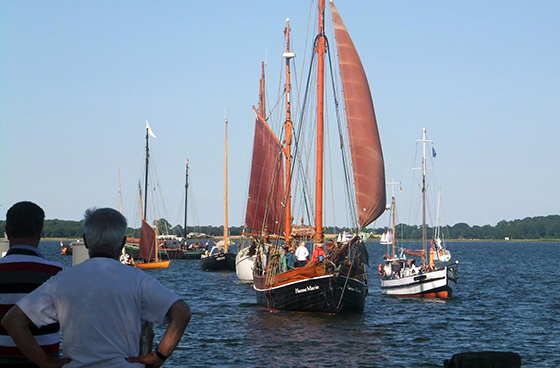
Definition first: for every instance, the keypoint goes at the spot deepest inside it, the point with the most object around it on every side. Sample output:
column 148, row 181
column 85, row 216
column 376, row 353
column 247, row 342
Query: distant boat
column 386, row 238
column 65, row 249
column 337, row 283
column 400, row 276
column 218, row 258
column 148, row 247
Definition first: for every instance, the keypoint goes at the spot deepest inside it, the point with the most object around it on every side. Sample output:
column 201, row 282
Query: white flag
column 150, row 130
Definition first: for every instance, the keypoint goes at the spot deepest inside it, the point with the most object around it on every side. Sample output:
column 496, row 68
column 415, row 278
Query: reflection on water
column 507, row 299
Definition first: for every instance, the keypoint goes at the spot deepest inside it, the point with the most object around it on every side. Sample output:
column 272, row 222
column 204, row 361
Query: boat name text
column 308, row 288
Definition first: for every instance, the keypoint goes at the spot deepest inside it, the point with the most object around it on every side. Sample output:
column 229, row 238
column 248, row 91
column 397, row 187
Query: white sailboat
column 401, row 277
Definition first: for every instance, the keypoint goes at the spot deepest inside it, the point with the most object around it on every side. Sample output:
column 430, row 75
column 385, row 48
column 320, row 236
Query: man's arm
column 16, row 323
column 179, row 314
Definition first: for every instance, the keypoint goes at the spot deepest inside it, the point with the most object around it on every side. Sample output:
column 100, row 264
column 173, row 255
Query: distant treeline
column 542, row 227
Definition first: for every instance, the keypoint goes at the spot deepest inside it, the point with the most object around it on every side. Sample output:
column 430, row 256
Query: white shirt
column 301, row 253
column 100, row 305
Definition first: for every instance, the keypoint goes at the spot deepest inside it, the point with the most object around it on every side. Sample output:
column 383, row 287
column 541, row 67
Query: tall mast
column 393, row 211
column 146, row 178
column 262, row 95
column 288, row 126
column 186, row 198
column 140, row 195
column 321, row 40
column 226, row 230
column 120, row 193
column 424, row 232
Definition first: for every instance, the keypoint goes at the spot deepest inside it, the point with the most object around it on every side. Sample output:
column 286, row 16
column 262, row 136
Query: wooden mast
column 393, row 213
column 186, row 197
column 320, row 41
column 262, row 96
column 288, row 127
column 226, row 235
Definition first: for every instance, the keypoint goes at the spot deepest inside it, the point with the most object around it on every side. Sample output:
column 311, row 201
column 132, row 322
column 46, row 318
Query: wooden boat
column 435, row 277
column 148, row 248
column 219, row 259
column 259, row 213
column 338, row 283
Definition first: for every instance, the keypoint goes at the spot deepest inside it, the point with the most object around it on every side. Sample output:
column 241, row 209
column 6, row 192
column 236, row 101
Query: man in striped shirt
column 22, row 270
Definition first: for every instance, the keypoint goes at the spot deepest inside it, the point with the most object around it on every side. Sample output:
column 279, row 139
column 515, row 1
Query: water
column 507, row 299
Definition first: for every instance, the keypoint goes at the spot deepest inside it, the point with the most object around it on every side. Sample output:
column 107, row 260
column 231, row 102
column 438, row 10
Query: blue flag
column 434, row 152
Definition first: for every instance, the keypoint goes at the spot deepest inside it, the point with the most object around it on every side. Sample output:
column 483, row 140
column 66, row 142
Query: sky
column 79, row 80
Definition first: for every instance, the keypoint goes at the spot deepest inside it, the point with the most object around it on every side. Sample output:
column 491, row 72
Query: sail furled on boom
column 365, row 145
column 265, row 208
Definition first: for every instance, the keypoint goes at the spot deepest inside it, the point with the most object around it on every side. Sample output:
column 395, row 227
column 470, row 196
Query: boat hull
column 331, row 293
column 218, row 262
column 150, row 265
column 134, row 252
column 244, row 267
column 434, row 284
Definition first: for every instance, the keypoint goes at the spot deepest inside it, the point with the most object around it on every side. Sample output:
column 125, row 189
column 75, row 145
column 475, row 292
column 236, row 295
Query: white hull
column 244, row 267
column 434, row 284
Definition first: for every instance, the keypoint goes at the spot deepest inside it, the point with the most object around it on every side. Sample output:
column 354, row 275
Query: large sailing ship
column 435, row 277
column 263, row 209
column 337, row 283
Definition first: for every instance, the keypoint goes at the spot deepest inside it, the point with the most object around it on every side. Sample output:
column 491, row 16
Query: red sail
column 147, row 242
column 365, row 146
column 265, row 208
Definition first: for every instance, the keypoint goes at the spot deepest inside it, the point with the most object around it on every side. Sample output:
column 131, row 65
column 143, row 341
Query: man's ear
column 40, row 234
column 85, row 241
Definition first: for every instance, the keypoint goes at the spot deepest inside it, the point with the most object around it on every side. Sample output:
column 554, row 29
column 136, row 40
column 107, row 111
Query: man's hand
column 56, row 362
column 151, row 360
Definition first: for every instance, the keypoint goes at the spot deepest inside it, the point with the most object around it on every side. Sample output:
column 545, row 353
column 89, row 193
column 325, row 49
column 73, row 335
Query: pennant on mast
column 150, row 130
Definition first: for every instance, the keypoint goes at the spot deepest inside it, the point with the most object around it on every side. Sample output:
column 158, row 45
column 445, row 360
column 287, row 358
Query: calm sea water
column 508, row 299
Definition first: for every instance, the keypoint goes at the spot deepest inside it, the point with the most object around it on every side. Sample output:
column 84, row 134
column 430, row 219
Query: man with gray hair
column 100, row 305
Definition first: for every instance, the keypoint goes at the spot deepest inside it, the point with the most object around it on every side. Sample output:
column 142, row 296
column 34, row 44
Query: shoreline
column 330, row 236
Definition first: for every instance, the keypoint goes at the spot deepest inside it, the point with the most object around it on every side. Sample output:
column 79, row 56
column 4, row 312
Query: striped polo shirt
column 23, row 270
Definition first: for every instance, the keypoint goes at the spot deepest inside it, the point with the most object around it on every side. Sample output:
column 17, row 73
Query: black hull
column 218, row 262
column 327, row 294
column 134, row 251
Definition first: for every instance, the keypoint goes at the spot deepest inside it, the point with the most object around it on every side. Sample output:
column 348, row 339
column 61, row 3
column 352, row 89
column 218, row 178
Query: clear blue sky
column 78, row 79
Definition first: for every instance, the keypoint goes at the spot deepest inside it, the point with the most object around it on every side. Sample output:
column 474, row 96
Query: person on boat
column 24, row 268
column 283, row 260
column 318, row 254
column 100, row 292
column 301, row 254
column 396, row 268
column 290, row 258
column 331, row 246
column 387, row 270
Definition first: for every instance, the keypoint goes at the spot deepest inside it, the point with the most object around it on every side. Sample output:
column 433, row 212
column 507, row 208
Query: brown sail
column 265, row 208
column 365, row 145
column 147, row 242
